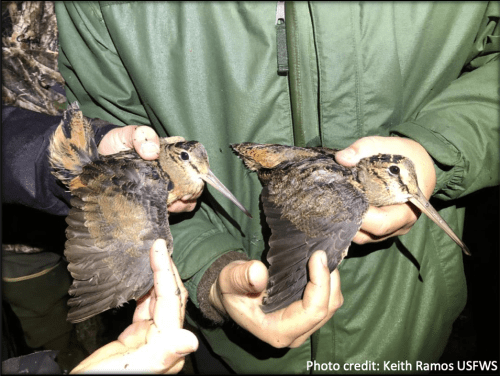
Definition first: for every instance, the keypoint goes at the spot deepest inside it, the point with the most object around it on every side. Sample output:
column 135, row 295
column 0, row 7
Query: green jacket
column 208, row 71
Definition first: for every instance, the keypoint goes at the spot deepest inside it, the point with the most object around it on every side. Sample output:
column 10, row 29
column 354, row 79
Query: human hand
column 241, row 286
column 146, row 143
column 388, row 221
column 155, row 341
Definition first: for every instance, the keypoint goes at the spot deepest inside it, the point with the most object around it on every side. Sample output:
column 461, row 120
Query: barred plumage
column 313, row 203
column 119, row 208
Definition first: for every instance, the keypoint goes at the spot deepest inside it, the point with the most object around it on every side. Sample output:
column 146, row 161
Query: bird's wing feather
column 119, row 210
column 302, row 224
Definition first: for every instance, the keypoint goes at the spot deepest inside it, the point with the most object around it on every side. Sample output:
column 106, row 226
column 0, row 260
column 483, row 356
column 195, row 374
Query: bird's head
column 392, row 179
column 187, row 167
column 388, row 179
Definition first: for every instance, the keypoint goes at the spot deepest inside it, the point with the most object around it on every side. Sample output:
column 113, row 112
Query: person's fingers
column 163, row 352
column 368, row 146
column 117, row 140
column 292, row 325
column 239, row 283
column 104, row 356
column 371, row 145
column 244, row 277
column 317, row 291
column 167, row 349
column 382, row 223
column 314, row 304
column 180, row 206
column 167, row 308
column 387, row 221
column 140, row 137
column 364, row 147
column 186, row 342
column 174, row 139
column 135, row 334
column 146, row 142
column 336, row 297
column 185, row 204
column 184, row 293
column 335, row 302
column 142, row 310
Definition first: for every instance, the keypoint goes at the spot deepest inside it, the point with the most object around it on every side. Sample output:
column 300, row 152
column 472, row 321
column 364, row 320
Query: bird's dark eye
column 394, row 170
column 184, row 156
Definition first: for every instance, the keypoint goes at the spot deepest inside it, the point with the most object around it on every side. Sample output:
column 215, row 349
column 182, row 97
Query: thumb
column 347, row 157
column 146, row 142
column 142, row 138
column 186, row 342
column 244, row 277
column 176, row 341
column 362, row 148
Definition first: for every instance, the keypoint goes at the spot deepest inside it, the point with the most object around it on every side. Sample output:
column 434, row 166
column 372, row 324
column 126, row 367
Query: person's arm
column 26, row 177
column 453, row 141
column 459, row 127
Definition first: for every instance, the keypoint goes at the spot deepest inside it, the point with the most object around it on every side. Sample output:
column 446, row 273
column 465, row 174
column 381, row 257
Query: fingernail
column 150, row 148
column 248, row 277
column 324, row 259
column 348, row 153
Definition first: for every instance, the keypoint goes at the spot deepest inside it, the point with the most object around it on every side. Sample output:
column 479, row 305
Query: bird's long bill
column 211, row 179
column 421, row 202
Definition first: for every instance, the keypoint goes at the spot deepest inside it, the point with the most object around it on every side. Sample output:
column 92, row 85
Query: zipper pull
column 281, row 39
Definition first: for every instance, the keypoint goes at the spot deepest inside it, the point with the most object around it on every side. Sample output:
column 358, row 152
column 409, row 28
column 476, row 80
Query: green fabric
column 207, row 71
column 43, row 313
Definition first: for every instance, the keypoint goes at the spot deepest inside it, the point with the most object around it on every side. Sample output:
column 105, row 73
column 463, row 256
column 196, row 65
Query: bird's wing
column 119, row 210
column 321, row 216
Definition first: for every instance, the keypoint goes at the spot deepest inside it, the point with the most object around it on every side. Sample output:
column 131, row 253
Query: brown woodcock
column 119, row 208
column 313, row 203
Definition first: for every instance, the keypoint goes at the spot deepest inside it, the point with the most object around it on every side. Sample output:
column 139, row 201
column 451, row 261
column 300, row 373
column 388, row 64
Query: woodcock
column 313, row 203
column 119, row 208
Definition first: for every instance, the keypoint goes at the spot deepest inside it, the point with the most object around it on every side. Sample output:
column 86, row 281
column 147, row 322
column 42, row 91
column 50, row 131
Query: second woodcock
column 313, row 203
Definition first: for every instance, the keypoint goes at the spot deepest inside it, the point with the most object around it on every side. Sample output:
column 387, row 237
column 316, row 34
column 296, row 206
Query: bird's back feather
column 72, row 146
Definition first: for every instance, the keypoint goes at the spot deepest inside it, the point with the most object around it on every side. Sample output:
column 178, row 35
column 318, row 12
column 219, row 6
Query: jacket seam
column 319, row 65
column 296, row 65
column 357, row 62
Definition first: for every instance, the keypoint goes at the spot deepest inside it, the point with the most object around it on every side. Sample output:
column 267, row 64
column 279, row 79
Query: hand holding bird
column 146, row 143
column 241, row 286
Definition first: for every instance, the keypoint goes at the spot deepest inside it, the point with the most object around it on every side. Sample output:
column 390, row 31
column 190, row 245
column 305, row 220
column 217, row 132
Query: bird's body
column 313, row 203
column 119, row 208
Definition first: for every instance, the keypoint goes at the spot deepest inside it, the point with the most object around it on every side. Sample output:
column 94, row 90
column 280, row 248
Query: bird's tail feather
column 72, row 145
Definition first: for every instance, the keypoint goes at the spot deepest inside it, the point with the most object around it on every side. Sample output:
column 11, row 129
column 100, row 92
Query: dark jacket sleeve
column 26, row 176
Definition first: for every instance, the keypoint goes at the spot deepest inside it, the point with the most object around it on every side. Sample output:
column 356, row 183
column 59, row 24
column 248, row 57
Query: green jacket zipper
column 281, row 39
